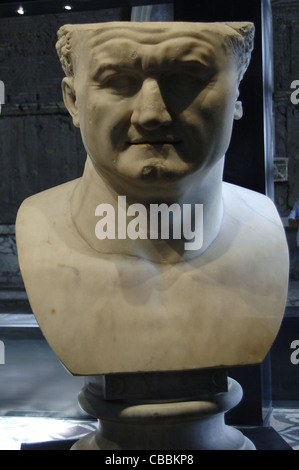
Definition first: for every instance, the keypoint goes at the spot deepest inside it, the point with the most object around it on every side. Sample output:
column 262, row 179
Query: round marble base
column 193, row 425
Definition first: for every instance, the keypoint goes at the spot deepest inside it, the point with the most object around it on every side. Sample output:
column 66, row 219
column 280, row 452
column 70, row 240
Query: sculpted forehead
column 129, row 52
column 132, row 42
column 169, row 39
column 149, row 33
column 153, row 32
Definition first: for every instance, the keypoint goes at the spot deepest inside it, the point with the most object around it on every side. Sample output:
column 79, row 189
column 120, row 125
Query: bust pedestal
column 168, row 411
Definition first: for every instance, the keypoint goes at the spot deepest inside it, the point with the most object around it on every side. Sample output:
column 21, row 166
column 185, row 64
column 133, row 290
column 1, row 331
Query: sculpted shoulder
column 47, row 208
column 50, row 201
column 243, row 203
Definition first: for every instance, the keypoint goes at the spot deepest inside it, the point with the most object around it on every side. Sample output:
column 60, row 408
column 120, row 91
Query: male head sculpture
column 155, row 103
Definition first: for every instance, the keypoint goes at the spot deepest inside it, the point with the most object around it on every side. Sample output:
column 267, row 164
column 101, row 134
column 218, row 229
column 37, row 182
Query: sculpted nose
column 150, row 110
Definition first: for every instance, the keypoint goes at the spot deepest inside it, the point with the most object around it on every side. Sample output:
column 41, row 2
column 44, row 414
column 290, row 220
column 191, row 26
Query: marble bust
column 155, row 104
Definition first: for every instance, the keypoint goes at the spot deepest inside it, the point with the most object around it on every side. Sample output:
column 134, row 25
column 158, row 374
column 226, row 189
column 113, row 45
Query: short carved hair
column 64, row 49
column 242, row 44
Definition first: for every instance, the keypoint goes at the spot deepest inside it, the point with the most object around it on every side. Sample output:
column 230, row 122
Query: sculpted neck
column 114, row 223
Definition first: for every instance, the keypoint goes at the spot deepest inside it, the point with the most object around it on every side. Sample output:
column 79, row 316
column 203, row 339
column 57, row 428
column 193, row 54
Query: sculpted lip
column 152, row 142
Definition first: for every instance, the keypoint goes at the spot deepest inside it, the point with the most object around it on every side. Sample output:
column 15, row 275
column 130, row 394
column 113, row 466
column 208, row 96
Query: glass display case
column 34, row 123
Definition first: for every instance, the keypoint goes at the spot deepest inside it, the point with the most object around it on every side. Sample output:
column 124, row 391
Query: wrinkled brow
column 132, row 57
column 195, row 67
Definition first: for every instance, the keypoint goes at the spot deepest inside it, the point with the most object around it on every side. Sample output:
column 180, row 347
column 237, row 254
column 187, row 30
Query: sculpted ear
column 238, row 110
column 69, row 98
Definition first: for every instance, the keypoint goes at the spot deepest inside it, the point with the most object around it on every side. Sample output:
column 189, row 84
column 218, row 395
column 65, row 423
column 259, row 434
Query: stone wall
column 286, row 70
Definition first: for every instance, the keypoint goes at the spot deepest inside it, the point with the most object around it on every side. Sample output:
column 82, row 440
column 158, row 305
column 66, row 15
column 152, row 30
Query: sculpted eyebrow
column 193, row 66
column 103, row 67
column 190, row 64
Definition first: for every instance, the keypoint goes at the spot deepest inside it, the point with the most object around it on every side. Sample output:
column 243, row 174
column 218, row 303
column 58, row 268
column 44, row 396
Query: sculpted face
column 153, row 104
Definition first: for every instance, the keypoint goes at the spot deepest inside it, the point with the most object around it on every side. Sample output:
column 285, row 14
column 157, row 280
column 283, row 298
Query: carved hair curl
column 64, row 50
column 242, row 46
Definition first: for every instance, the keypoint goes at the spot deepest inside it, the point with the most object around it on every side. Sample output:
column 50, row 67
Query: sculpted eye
column 184, row 83
column 122, row 84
